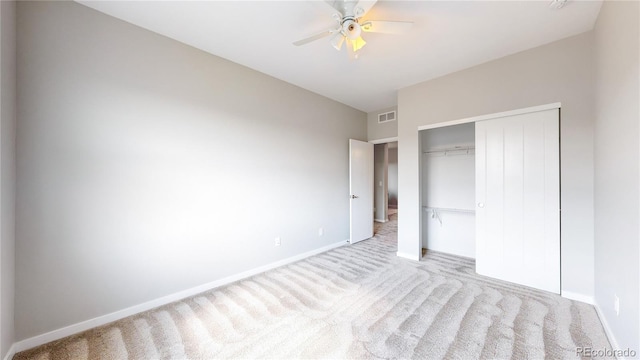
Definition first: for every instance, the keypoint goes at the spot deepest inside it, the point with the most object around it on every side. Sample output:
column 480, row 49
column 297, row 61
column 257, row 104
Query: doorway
column 385, row 181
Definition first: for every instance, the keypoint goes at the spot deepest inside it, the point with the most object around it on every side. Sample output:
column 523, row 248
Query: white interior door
column 518, row 199
column 361, row 190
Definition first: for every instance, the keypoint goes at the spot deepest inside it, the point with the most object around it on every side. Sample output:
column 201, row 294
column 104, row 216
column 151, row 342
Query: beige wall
column 7, row 172
column 617, row 173
column 558, row 72
column 148, row 167
column 377, row 131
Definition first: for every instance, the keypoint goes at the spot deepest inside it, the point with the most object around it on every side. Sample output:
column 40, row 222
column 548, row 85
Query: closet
column 491, row 191
column 448, row 189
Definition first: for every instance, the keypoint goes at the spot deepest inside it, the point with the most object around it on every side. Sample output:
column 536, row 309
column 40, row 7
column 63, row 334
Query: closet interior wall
column 448, row 189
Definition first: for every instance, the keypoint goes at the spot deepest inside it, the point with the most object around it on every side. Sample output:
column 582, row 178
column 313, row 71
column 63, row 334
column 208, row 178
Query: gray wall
column 558, row 72
column 380, row 181
column 7, row 172
column 617, row 146
column 148, row 167
column 376, row 131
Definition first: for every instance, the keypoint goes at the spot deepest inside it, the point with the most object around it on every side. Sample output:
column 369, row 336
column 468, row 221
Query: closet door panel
column 513, row 182
column 493, row 204
column 517, row 196
column 552, row 197
column 481, row 186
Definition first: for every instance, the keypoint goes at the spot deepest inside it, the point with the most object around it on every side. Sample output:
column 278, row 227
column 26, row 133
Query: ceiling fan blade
column 386, row 27
column 315, row 37
column 335, row 4
column 363, row 7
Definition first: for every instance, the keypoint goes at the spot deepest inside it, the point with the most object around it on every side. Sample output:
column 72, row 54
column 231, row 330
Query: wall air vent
column 386, row 117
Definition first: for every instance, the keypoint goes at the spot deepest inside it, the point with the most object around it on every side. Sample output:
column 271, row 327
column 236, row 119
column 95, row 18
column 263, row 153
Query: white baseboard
column 120, row 314
column 11, row 352
column 408, row 256
column 578, row 297
column 607, row 328
column 380, row 220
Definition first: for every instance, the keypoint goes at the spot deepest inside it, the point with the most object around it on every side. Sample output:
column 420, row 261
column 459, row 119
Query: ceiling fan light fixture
column 337, row 40
column 358, row 43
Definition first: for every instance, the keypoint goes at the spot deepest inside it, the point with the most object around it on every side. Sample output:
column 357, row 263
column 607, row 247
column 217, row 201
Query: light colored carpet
column 358, row 301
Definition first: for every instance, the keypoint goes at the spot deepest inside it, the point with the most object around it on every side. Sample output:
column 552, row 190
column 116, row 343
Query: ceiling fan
column 350, row 25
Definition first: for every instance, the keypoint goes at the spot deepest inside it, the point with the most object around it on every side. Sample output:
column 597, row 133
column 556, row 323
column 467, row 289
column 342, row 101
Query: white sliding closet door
column 518, row 199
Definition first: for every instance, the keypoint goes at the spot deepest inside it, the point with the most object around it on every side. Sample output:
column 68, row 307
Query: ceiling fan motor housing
column 351, row 29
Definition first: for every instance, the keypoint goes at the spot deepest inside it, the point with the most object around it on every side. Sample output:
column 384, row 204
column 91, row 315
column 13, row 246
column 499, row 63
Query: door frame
column 531, row 109
column 384, row 141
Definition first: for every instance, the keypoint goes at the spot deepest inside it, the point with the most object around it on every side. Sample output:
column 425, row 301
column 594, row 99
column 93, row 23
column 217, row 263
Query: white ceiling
column 447, row 36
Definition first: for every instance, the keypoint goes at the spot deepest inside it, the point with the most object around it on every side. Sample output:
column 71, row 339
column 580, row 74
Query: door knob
column 480, row 205
column 354, row 197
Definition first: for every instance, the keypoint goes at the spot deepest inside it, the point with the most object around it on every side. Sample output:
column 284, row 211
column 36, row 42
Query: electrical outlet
column 320, row 232
column 616, row 304
column 278, row 241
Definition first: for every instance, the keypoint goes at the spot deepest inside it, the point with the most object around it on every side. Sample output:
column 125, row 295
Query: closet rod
column 446, row 150
column 428, row 208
